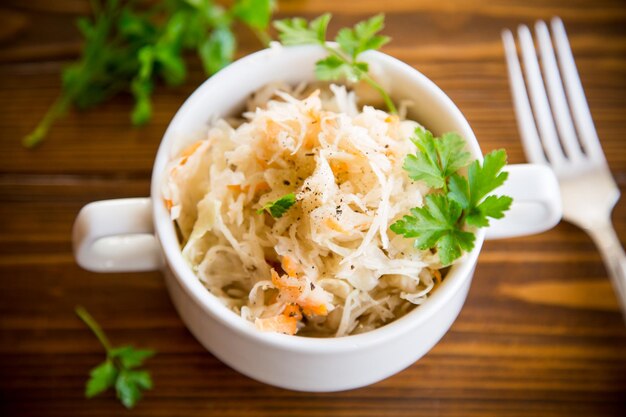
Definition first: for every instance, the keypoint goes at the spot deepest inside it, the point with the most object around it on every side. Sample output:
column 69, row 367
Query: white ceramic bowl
column 137, row 234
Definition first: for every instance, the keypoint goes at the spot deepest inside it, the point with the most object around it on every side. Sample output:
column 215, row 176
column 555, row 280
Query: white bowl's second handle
column 116, row 236
column 536, row 202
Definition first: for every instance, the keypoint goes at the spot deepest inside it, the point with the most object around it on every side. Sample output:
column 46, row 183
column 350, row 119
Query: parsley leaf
column 456, row 202
column 254, row 13
column 131, row 357
column 332, row 67
column 118, row 369
column 101, row 378
column 129, row 385
column 296, row 31
column 131, row 48
column 491, row 206
column 363, row 36
column 484, row 179
column 217, row 50
column 437, row 159
column 279, row 207
column 342, row 62
column 435, row 225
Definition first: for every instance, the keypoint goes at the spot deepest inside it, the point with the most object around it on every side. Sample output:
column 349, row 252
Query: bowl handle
column 536, row 202
column 116, row 236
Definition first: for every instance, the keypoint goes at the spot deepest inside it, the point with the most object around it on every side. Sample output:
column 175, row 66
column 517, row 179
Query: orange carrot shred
column 280, row 324
column 188, row 151
column 290, row 266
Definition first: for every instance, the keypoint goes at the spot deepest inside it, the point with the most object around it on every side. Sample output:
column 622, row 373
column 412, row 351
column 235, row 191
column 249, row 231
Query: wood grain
column 540, row 334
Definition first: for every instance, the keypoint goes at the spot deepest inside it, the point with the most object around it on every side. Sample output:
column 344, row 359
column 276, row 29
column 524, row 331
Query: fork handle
column 614, row 258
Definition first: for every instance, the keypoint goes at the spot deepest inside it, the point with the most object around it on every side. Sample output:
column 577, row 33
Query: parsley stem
column 94, row 327
column 263, row 37
column 388, row 102
column 40, row 132
column 365, row 77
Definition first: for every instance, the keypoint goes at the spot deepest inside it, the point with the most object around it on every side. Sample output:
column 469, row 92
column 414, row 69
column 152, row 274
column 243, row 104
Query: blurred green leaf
column 217, row 50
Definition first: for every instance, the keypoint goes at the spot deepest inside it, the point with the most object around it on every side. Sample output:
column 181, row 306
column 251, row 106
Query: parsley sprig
column 342, row 61
column 129, row 48
column 119, row 369
column 444, row 221
column 278, row 207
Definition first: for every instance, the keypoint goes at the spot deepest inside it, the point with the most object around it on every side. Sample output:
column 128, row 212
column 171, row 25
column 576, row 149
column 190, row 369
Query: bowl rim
column 211, row 305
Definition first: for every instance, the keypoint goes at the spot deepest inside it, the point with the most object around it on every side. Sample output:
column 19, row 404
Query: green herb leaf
column 319, row 25
column 118, row 370
column 279, row 207
column 492, row 206
column 131, row 357
column 332, row 67
column 127, row 391
column 341, row 62
column 456, row 202
column 296, row 31
column 131, row 47
column 130, row 384
column 254, row 13
column 459, row 191
column 437, row 159
column 363, row 36
column 424, row 165
column 486, row 178
column 217, row 50
column 172, row 66
column 102, row 377
column 435, row 225
column 452, row 155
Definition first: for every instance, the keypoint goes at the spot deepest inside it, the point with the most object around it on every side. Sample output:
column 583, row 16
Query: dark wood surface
column 540, row 333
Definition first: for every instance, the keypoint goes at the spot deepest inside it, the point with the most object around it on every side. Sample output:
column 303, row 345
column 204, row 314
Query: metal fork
column 558, row 131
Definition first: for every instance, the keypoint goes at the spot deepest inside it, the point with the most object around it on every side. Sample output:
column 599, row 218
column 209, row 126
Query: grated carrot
column 293, row 310
column 314, row 309
column 436, row 275
column 188, row 151
column 280, row 324
column 333, row 224
column 290, row 266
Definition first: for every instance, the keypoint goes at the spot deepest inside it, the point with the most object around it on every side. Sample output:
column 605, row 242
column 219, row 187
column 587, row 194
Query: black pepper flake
column 351, row 266
column 312, row 286
column 286, row 182
column 386, row 146
column 309, row 154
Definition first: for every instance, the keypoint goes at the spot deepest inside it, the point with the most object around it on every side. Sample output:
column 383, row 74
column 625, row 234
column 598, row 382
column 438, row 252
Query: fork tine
column 526, row 122
column 539, row 99
column 578, row 102
column 558, row 101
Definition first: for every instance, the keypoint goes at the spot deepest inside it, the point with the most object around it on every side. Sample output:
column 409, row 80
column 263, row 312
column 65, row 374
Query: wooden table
column 540, row 333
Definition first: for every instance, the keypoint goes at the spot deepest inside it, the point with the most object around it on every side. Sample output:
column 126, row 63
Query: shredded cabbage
column 329, row 266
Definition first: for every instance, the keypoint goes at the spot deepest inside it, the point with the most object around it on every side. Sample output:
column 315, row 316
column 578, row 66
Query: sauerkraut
column 329, row 266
